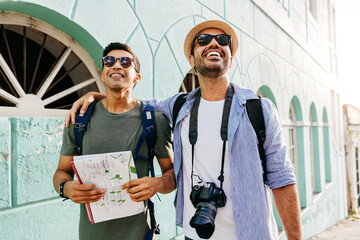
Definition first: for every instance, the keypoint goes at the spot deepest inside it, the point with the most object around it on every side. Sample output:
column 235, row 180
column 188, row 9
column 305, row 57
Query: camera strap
column 193, row 133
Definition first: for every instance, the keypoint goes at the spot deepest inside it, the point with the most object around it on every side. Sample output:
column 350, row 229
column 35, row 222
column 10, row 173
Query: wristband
column 61, row 190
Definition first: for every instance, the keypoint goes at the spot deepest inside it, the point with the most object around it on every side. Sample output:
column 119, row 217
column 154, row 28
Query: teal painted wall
column 268, row 56
column 4, row 162
column 29, row 206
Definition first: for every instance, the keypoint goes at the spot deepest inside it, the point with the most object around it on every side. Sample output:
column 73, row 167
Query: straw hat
column 226, row 28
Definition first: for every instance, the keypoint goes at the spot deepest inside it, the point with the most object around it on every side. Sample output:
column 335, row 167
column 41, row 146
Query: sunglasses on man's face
column 110, row 61
column 205, row 39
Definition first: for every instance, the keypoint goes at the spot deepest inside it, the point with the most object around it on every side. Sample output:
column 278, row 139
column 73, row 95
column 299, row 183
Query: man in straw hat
column 236, row 204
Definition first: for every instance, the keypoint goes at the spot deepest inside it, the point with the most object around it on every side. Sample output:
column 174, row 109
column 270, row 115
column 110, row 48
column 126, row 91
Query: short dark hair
column 125, row 47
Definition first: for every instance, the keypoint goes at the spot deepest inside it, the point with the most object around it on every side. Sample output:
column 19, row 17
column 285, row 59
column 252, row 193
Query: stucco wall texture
column 29, row 154
column 279, row 48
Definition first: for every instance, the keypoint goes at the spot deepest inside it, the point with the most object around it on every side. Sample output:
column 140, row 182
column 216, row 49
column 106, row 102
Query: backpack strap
column 81, row 126
column 149, row 133
column 179, row 102
column 255, row 113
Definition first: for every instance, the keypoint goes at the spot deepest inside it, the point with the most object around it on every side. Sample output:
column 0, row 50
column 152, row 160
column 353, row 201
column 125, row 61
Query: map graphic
column 108, row 171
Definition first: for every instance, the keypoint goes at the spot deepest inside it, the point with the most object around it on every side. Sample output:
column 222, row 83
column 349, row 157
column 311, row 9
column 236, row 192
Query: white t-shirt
column 207, row 166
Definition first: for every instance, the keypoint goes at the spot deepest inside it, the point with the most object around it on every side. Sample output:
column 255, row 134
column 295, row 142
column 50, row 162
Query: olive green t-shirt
column 109, row 132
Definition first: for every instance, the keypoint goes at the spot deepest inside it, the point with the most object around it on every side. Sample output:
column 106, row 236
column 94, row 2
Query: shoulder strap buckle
column 157, row 229
column 262, row 136
column 150, row 129
column 80, row 126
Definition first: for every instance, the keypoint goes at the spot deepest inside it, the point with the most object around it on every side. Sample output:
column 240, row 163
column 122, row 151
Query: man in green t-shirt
column 115, row 125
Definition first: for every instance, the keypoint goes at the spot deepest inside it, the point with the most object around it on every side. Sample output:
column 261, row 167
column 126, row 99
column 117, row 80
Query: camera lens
column 204, row 219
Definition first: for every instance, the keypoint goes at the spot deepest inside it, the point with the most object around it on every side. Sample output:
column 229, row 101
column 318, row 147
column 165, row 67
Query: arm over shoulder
column 164, row 105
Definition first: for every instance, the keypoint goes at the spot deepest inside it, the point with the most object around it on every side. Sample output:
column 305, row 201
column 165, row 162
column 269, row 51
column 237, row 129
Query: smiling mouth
column 117, row 75
column 213, row 54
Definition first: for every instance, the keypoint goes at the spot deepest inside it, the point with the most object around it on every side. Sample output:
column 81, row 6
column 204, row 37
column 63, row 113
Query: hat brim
column 226, row 28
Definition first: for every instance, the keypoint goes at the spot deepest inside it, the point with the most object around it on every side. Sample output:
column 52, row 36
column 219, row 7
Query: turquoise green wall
column 29, row 206
column 156, row 29
column 4, row 162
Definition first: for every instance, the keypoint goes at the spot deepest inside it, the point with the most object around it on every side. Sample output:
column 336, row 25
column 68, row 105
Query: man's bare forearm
column 60, row 176
column 288, row 206
column 167, row 181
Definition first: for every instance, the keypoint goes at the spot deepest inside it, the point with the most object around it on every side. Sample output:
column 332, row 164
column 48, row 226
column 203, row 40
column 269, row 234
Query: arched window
column 265, row 91
column 311, row 144
column 326, row 147
column 297, row 132
column 292, row 139
column 42, row 70
column 314, row 151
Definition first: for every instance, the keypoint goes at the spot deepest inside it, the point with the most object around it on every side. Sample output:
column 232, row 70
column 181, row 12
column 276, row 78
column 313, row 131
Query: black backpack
column 254, row 110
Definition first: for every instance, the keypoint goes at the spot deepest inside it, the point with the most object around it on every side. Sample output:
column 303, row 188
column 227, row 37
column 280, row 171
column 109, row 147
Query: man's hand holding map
column 108, row 171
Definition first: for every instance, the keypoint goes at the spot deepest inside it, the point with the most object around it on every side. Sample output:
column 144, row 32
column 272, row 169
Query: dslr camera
column 206, row 199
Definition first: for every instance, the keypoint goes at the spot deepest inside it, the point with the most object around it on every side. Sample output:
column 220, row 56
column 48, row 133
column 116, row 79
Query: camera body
column 206, row 199
column 208, row 193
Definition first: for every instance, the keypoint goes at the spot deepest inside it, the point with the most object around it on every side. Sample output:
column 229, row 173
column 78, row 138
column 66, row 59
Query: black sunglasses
column 110, row 61
column 205, row 39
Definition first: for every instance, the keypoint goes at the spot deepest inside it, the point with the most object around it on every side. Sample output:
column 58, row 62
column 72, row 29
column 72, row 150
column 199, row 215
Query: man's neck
column 214, row 89
column 118, row 102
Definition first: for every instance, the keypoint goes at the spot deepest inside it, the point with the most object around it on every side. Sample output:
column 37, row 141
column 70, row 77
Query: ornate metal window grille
column 36, row 67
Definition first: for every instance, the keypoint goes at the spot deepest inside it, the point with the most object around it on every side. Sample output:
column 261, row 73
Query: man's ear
column 137, row 78
column 192, row 61
column 102, row 76
column 231, row 59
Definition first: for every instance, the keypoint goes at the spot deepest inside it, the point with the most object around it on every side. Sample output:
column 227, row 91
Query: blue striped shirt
column 251, row 200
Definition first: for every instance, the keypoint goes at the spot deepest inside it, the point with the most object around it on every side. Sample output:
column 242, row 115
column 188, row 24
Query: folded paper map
column 108, row 171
